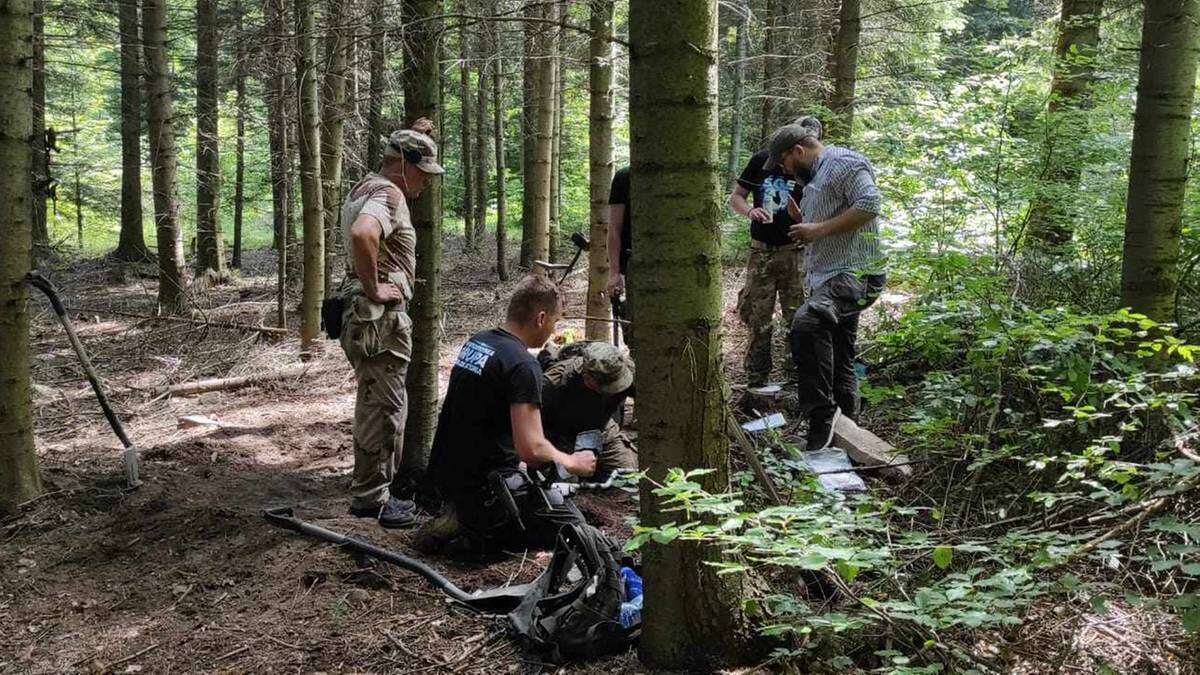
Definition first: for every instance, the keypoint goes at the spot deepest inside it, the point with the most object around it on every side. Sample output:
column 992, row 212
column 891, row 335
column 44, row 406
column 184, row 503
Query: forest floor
column 184, row 574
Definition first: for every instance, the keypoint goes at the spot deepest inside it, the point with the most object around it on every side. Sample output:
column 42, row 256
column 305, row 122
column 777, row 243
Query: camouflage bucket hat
column 611, row 369
column 406, row 141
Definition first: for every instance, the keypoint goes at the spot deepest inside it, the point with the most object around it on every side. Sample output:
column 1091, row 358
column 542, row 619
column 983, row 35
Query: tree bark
column 501, row 169
column 422, row 98
column 600, row 163
column 480, row 137
column 467, row 206
column 19, row 479
column 239, row 172
column 844, row 71
column 1051, row 214
column 378, row 57
column 333, row 124
column 131, row 245
column 739, row 88
column 163, row 158
column 692, row 618
column 1159, row 162
column 556, row 64
column 310, row 177
column 40, row 158
column 539, row 121
column 795, row 39
column 277, row 133
column 210, row 246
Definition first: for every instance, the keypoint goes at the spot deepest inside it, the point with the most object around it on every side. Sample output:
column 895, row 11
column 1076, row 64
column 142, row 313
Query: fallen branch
column 227, row 383
column 743, row 440
column 596, row 318
column 207, row 323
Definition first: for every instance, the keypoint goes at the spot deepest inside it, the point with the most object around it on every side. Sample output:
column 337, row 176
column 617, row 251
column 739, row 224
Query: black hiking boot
column 395, row 513
column 821, row 422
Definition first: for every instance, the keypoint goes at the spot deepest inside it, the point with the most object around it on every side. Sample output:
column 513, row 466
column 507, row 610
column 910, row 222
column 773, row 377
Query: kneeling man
column 490, row 422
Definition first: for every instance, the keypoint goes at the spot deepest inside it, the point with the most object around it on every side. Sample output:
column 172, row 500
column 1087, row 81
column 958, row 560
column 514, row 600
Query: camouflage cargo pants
column 770, row 273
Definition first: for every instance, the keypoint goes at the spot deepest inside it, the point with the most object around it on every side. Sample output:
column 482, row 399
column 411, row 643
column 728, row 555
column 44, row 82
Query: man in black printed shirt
column 490, row 422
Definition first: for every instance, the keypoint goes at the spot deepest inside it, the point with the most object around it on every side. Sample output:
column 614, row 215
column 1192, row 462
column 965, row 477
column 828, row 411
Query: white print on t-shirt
column 775, row 191
column 474, row 356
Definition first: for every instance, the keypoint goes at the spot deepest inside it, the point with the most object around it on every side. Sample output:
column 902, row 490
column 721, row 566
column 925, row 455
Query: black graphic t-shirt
column 619, row 194
column 770, row 190
column 474, row 432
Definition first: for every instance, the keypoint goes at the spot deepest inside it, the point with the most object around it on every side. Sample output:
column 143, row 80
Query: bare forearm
column 365, row 253
column 849, row 220
column 738, row 203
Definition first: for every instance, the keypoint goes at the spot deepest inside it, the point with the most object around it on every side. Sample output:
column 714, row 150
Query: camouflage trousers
column 771, row 272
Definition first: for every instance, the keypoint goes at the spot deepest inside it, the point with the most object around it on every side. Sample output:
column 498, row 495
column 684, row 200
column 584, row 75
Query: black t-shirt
column 619, row 194
column 770, row 190
column 474, row 432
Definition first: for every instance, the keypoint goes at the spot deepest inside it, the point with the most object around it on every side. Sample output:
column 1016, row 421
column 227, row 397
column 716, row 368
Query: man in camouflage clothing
column 377, row 332
column 583, row 386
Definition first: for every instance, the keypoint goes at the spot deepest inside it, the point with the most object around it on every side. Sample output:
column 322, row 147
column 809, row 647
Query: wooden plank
column 866, row 448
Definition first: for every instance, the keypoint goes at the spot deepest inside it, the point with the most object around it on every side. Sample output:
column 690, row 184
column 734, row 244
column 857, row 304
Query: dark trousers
column 823, row 335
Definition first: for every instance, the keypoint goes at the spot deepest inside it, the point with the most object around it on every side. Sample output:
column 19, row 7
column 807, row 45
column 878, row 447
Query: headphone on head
column 411, row 155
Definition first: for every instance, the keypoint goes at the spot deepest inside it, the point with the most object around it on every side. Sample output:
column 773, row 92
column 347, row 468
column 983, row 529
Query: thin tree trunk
column 210, row 247
column 78, row 161
column 739, row 89
column 480, row 137
column 794, row 63
column 600, row 162
column 239, row 172
column 1159, row 162
column 19, row 479
column 333, row 124
column 40, row 158
column 539, row 74
column 163, row 157
column 310, row 176
column 556, row 65
column 132, row 242
column 692, row 618
column 501, row 169
column 467, row 208
column 278, row 138
column 1051, row 213
column 845, row 71
column 375, row 105
column 422, row 98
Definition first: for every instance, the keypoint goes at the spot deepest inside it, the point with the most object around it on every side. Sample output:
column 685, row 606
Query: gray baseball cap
column 408, row 140
column 612, row 369
column 789, row 135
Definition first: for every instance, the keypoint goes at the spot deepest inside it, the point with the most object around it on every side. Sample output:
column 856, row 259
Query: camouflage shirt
column 382, row 199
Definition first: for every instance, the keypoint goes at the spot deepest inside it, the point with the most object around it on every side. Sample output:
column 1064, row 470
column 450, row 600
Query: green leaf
column 1191, row 620
column 942, row 555
column 847, row 571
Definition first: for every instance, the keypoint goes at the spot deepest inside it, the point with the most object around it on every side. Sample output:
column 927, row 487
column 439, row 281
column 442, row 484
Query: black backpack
column 562, row 620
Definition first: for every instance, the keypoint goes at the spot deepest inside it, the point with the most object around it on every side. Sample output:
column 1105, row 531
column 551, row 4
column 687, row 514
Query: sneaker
column 393, row 513
column 821, row 422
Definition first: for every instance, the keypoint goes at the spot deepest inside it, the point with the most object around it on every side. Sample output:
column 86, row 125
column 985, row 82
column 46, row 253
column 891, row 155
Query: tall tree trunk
column 333, row 123
column 163, row 157
column 739, row 88
column 132, row 243
column 375, row 105
column 844, row 58
column 693, row 618
column 795, row 40
column 422, row 98
column 40, row 158
column 501, row 169
column 556, row 13
column 78, row 161
column 539, row 109
column 277, row 133
column 210, row 247
column 480, row 137
column 239, row 172
column 310, row 176
column 467, row 207
column 1051, row 214
column 19, row 479
column 600, row 163
column 1159, row 162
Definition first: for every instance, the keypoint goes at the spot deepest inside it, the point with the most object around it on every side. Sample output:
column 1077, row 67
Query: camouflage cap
column 608, row 366
column 401, row 142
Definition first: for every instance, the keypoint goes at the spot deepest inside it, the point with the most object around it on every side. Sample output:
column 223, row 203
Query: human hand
column 803, row 233
column 760, row 215
column 794, row 209
column 581, row 463
column 616, row 285
column 423, row 125
column 385, row 293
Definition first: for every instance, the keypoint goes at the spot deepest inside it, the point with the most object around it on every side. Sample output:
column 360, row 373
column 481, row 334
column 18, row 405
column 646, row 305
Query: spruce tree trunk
column 1159, row 162
column 1051, row 213
column 37, row 147
column 539, row 122
column 467, row 206
column 480, row 138
column 277, row 134
column 375, row 129
column 600, row 163
column 210, row 247
column 556, row 13
column 239, row 172
column 132, row 243
column 739, row 89
column 501, row 169
column 333, row 124
column 794, row 64
column 163, row 157
column 19, row 479
column 422, row 98
column 692, row 618
column 310, row 177
column 845, row 71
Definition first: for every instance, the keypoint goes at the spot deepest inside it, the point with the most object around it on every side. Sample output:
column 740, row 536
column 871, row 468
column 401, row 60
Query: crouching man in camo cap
column 377, row 333
column 584, row 386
